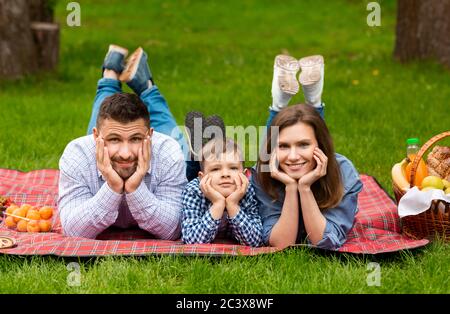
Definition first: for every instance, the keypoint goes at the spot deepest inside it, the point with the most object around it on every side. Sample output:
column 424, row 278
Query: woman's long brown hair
column 328, row 190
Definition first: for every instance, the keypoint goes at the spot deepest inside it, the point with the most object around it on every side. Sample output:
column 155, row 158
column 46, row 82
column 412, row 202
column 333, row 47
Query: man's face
column 223, row 171
column 123, row 142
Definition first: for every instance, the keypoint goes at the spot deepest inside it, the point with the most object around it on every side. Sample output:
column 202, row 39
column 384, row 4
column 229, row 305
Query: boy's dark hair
column 123, row 108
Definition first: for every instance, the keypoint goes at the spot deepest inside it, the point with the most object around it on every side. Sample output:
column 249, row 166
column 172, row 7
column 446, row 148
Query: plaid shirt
column 88, row 206
column 198, row 226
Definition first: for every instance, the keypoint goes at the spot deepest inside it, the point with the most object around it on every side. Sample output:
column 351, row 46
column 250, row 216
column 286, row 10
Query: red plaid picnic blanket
column 376, row 228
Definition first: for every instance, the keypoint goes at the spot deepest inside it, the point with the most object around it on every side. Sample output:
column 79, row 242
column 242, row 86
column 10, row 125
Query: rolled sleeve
column 341, row 218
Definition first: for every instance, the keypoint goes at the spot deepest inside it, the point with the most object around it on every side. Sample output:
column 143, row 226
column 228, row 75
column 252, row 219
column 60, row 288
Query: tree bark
column 40, row 11
column 423, row 30
column 46, row 38
column 17, row 48
column 29, row 41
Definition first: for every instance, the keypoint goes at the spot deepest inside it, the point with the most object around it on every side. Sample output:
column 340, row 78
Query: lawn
column 217, row 57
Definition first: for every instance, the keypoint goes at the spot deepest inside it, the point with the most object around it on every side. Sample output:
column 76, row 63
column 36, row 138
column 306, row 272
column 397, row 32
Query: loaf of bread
column 438, row 162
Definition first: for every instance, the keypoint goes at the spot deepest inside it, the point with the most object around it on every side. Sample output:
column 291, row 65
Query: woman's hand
column 318, row 172
column 277, row 174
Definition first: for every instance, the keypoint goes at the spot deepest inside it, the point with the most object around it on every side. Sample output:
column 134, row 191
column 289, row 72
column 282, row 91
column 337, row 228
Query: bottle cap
column 412, row 141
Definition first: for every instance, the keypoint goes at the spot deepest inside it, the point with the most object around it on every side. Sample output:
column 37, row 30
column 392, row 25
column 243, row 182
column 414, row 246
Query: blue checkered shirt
column 198, row 226
column 88, row 205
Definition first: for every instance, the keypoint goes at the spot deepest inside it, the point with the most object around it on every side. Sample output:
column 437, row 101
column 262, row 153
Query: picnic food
column 411, row 151
column 399, row 175
column 27, row 218
column 4, row 203
column 433, row 182
column 439, row 162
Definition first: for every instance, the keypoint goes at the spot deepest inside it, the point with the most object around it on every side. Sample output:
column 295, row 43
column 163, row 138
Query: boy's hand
column 319, row 171
column 210, row 193
column 241, row 188
column 112, row 178
column 144, row 156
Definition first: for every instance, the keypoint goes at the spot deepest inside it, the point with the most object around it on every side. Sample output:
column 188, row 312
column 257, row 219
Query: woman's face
column 295, row 149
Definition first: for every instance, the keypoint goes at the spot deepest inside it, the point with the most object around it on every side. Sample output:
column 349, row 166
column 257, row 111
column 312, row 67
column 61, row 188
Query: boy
column 220, row 197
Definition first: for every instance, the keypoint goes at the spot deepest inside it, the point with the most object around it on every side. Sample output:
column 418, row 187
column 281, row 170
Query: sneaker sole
column 189, row 126
column 287, row 80
column 132, row 65
column 311, row 69
column 121, row 50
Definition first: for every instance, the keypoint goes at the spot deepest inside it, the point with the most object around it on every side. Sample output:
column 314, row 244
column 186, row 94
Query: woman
column 306, row 190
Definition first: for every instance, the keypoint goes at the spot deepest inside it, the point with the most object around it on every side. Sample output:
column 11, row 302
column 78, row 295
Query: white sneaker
column 285, row 74
column 284, row 82
column 311, row 78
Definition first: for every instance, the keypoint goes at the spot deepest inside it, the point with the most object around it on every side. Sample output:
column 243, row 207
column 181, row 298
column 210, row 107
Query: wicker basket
column 435, row 221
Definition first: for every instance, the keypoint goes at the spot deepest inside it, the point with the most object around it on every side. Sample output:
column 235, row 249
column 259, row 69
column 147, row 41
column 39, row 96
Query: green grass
column 217, row 56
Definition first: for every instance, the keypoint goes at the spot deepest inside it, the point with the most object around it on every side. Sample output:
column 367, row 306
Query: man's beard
column 125, row 173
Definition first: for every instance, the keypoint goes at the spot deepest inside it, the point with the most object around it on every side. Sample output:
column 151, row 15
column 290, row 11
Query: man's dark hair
column 123, row 108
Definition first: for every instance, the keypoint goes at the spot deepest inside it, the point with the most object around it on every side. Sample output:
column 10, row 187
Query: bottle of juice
column 412, row 148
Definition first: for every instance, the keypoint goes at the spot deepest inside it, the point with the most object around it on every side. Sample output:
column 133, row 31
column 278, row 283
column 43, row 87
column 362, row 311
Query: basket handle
column 422, row 151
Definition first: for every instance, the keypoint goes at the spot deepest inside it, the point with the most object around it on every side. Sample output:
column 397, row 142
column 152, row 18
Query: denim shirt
column 339, row 220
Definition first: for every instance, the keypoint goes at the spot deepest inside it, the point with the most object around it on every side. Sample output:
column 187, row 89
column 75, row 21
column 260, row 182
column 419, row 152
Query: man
column 124, row 174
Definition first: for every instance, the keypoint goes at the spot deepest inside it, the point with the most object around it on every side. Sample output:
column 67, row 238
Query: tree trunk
column 17, row 48
column 46, row 38
column 423, row 30
column 40, row 11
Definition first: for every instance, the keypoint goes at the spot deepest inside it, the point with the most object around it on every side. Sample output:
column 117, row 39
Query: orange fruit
column 421, row 173
column 33, row 214
column 33, row 226
column 45, row 225
column 22, row 226
column 10, row 223
column 26, row 207
column 11, row 209
column 21, row 212
column 46, row 212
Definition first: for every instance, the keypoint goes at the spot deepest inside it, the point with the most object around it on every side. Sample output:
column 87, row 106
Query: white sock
column 313, row 92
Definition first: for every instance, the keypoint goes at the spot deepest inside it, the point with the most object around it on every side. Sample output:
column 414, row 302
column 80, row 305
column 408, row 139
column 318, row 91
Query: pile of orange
column 27, row 218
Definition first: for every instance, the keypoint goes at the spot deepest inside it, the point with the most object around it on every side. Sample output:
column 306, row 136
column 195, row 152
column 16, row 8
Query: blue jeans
column 161, row 119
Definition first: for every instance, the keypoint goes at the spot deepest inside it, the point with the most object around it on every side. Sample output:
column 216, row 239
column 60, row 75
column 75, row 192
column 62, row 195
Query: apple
column 428, row 188
column 433, row 181
column 446, row 183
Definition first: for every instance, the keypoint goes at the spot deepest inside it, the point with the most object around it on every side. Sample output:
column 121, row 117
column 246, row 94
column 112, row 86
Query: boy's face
column 223, row 172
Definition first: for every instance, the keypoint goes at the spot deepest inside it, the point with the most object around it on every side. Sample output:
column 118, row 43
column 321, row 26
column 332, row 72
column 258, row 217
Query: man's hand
column 112, row 178
column 319, row 171
column 144, row 156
